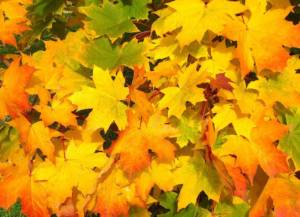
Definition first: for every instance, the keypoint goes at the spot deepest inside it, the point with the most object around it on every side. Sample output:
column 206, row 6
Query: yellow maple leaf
column 225, row 114
column 104, row 99
column 196, row 17
column 196, row 176
column 39, row 137
column 61, row 74
column 74, row 169
column 60, row 111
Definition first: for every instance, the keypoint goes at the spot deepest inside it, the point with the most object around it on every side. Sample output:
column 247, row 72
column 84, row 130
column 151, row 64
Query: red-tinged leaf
column 221, row 82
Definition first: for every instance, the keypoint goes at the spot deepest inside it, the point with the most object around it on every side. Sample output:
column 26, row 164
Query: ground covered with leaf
column 149, row 108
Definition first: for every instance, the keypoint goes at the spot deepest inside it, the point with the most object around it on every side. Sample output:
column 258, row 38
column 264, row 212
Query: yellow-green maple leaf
column 187, row 91
column 196, row 176
column 104, row 99
column 278, row 87
column 189, row 127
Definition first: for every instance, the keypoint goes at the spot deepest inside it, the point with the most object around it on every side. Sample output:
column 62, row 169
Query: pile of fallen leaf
column 150, row 108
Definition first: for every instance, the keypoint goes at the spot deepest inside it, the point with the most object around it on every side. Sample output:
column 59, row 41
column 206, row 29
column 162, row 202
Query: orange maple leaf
column 271, row 159
column 259, row 151
column 142, row 104
column 138, row 140
column 14, row 99
column 285, row 194
column 16, row 182
column 10, row 28
column 112, row 200
column 261, row 39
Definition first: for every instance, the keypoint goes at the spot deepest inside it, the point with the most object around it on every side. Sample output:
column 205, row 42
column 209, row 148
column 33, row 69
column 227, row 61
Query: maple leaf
column 79, row 162
column 239, row 180
column 196, row 176
column 60, row 112
column 217, row 62
column 39, row 137
column 137, row 8
column 104, row 99
column 135, row 142
column 15, row 9
column 17, row 183
column 279, row 86
column 221, row 81
column 117, row 192
column 61, row 74
column 243, row 126
column 102, row 53
column 196, row 18
column 9, row 141
column 244, row 152
column 263, row 136
column 168, row 201
column 162, row 71
column 14, row 210
column 284, row 193
column 162, row 175
column 255, row 46
column 175, row 98
column 110, row 19
column 42, row 8
column 142, row 104
column 259, row 150
column 189, row 128
column 192, row 133
column 231, row 210
column 112, row 195
column 289, row 143
column 225, row 114
column 13, row 21
column 14, row 99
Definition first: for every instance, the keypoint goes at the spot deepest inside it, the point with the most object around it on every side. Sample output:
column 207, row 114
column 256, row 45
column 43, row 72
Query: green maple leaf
column 189, row 127
column 138, row 9
column 13, row 211
column 114, row 20
column 168, row 200
column 290, row 143
column 9, row 140
column 232, row 210
column 102, row 53
column 110, row 19
column 42, row 8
